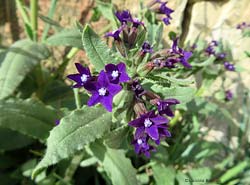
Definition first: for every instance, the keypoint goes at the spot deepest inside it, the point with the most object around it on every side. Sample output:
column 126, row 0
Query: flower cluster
column 162, row 8
column 104, row 87
column 150, row 125
column 129, row 28
column 169, row 58
column 211, row 51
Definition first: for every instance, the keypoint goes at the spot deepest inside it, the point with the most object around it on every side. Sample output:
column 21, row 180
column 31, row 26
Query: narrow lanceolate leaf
column 20, row 59
column 67, row 37
column 27, row 117
column 115, row 163
column 76, row 130
column 97, row 51
column 183, row 94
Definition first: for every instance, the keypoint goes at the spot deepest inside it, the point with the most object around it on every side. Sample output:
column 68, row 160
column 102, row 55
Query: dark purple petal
column 139, row 132
column 229, row 95
column 122, row 69
column 139, row 122
column 152, row 132
column 103, row 80
column 158, row 120
column 114, row 89
column 106, row 101
column 228, row 66
column 94, row 99
column 76, row 78
column 82, row 70
column 123, row 16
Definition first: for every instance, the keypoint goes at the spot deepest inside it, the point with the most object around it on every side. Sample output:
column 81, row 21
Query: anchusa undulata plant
column 127, row 104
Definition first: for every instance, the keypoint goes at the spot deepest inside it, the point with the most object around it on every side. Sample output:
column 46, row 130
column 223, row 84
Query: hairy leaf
column 76, row 130
column 98, row 52
column 116, row 165
column 67, row 37
column 21, row 58
column 27, row 117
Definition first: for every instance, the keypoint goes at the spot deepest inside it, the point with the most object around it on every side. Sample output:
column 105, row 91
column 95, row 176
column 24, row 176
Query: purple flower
column 164, row 106
column 138, row 89
column 103, row 92
column 82, row 78
column 117, row 73
column 148, row 123
column 115, row 34
column 123, row 16
column 210, row 49
column 166, row 20
column 163, row 132
column 146, row 48
column 183, row 55
column 141, row 146
column 229, row 95
column 228, row 66
column 136, row 23
column 165, row 10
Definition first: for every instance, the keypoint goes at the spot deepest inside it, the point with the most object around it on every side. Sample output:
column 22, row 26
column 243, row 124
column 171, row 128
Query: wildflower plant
column 131, row 113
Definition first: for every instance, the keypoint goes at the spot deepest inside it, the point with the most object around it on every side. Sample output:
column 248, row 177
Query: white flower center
column 84, row 78
column 147, row 123
column 115, row 74
column 139, row 141
column 102, row 91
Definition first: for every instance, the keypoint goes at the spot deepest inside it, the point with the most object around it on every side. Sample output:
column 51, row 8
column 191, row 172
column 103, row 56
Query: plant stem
column 70, row 171
column 77, row 98
column 34, row 12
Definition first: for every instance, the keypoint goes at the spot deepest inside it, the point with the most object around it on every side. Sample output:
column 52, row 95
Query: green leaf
column 21, row 58
column 27, row 117
column 183, row 94
column 201, row 173
column 207, row 62
column 164, row 175
column 98, row 52
column 116, row 165
column 75, row 131
column 107, row 11
column 173, row 80
column 237, row 170
column 67, row 37
column 11, row 140
column 117, row 137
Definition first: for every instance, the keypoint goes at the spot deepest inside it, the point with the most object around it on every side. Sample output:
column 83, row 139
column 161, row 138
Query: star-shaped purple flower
column 164, row 106
column 117, row 73
column 148, row 123
column 82, row 78
column 146, row 48
column 228, row 66
column 141, row 146
column 103, row 92
column 123, row 16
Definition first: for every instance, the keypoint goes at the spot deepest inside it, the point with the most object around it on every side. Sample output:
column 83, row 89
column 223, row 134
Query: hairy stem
column 34, row 12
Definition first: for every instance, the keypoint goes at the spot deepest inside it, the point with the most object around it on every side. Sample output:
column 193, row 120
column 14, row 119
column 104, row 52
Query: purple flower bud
column 83, row 78
column 182, row 56
column 146, row 48
column 229, row 95
column 221, row 56
column 123, row 16
column 165, row 10
column 149, row 124
column 103, row 92
column 117, row 73
column 228, row 66
column 166, row 20
column 138, row 89
column 164, row 106
column 115, row 34
column 137, row 23
column 57, row 122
